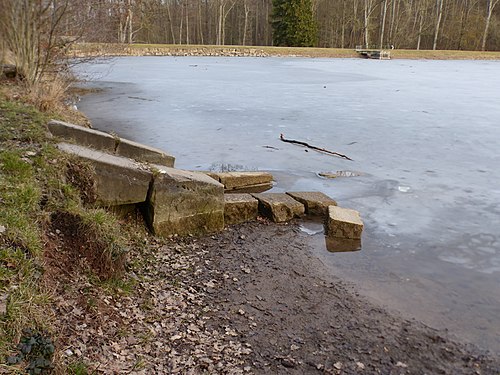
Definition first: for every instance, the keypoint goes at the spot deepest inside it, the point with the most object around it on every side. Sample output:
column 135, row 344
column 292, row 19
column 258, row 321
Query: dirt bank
column 250, row 300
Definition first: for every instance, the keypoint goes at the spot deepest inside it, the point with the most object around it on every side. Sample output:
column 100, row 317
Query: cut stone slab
column 240, row 180
column 316, row 203
column 259, row 188
column 120, row 181
column 83, row 136
column 140, row 152
column 343, row 223
column 279, row 207
column 106, row 142
column 184, row 203
column 240, row 208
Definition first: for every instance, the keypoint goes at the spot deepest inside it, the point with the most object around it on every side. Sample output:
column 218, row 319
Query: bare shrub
column 29, row 30
column 47, row 95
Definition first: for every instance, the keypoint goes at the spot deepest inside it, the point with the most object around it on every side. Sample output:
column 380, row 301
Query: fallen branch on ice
column 282, row 137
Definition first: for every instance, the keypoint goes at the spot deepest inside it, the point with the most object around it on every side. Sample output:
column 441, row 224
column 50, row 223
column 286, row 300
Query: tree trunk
column 219, row 23
column 439, row 8
column 187, row 24
column 245, row 24
column 393, row 19
column 420, row 29
column 464, row 19
column 489, row 11
column 366, row 23
column 181, row 25
column 342, row 38
column 369, row 8
column 130, row 23
column 382, row 26
column 171, row 24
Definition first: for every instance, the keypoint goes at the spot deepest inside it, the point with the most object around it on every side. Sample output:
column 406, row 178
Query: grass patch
column 78, row 368
column 43, row 191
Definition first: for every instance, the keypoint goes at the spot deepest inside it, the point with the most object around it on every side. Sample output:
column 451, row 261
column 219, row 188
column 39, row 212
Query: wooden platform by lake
column 374, row 53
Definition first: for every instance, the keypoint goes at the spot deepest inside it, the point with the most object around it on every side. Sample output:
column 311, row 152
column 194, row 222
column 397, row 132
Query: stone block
column 259, row 188
column 106, row 142
column 140, row 152
column 182, row 202
column 120, row 181
column 279, row 207
column 83, row 136
column 343, row 223
column 240, row 208
column 240, row 180
column 315, row 203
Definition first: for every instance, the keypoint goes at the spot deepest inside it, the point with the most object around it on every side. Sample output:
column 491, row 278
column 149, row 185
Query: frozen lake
column 425, row 136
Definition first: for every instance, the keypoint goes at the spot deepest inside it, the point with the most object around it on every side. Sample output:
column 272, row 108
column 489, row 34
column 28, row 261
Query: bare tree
column 30, row 30
column 368, row 10
column 463, row 24
column 383, row 9
column 439, row 17
column 490, row 6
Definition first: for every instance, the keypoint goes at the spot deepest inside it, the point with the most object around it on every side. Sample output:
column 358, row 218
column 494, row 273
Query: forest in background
column 405, row 24
column 36, row 35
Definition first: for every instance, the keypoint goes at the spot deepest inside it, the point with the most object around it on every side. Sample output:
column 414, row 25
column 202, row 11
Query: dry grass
column 53, row 96
column 444, row 55
column 47, row 95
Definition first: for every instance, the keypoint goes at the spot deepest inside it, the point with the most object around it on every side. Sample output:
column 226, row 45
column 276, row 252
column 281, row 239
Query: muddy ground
column 250, row 300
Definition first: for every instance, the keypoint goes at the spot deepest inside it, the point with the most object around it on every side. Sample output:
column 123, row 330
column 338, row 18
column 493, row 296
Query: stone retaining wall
column 124, row 50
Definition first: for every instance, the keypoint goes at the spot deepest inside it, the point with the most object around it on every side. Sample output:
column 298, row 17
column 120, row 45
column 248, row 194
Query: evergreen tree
column 293, row 23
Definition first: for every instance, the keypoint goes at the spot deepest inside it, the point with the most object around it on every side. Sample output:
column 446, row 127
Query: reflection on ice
column 314, row 227
column 342, row 245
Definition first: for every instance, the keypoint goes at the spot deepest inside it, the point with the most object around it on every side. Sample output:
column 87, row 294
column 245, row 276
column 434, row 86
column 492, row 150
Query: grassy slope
column 21, row 242
column 139, row 49
column 32, row 187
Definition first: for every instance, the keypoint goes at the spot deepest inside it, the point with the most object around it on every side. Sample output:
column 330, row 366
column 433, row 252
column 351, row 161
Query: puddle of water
column 311, row 228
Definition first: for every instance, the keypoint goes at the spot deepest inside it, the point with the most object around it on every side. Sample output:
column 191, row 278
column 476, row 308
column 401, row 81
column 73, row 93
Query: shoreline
column 255, row 299
column 251, row 299
column 85, row 50
column 444, row 289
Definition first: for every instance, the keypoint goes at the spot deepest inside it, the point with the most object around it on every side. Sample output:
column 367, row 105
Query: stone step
column 279, row 207
column 173, row 201
column 243, row 182
column 315, row 203
column 240, row 208
column 83, row 136
column 182, row 202
column 343, row 223
column 112, row 144
column 120, row 181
